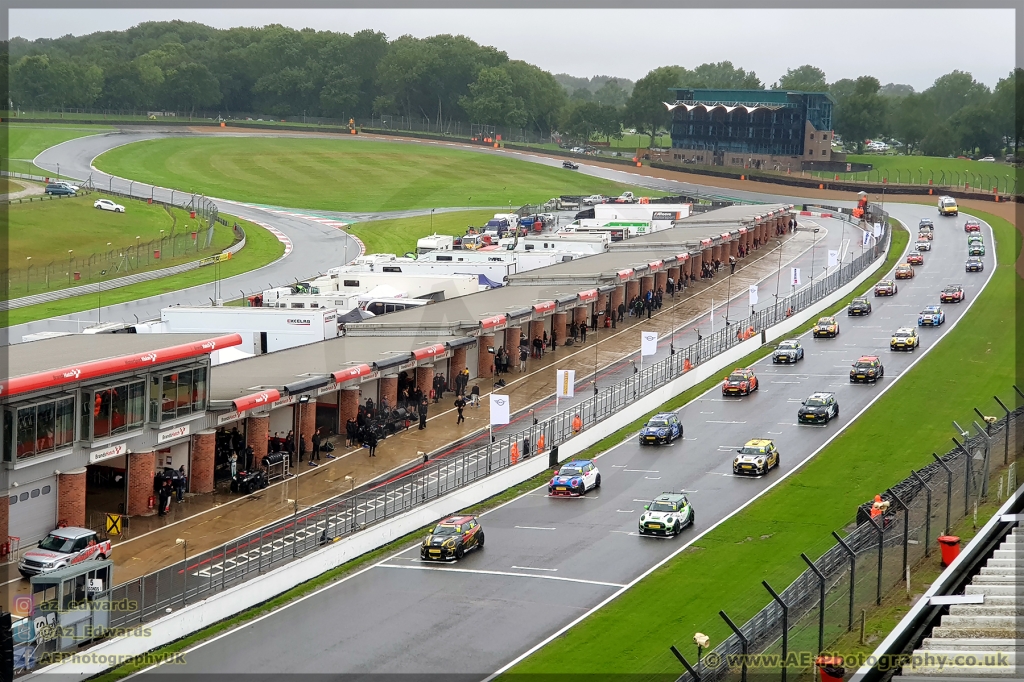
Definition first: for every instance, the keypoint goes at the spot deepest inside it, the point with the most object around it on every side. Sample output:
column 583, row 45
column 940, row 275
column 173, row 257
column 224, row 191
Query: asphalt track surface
column 547, row 562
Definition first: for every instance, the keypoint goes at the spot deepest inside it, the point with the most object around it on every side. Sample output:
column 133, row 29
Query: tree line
column 285, row 72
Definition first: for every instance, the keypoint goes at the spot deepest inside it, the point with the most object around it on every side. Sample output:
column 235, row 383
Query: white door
column 33, row 510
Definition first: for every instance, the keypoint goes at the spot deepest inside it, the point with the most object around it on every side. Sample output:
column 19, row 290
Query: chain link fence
column 825, row 602
column 196, row 577
column 189, row 235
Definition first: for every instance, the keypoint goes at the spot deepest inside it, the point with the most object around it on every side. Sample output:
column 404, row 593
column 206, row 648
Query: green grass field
column 918, row 170
column 399, row 236
column 261, row 248
column 73, row 236
column 633, row 633
column 25, row 142
column 344, row 175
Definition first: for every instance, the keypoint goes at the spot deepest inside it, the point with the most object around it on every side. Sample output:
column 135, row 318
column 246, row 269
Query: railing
column 825, row 602
column 306, row 530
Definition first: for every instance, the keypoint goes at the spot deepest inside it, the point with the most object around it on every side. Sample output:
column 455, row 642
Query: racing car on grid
column 953, row 293
column 575, row 478
column 924, row 244
column 975, row 264
column 827, row 327
column 819, row 408
column 756, row 457
column 788, row 351
column 975, row 238
column 976, row 250
column 972, row 226
column 867, row 368
column 915, row 259
column 667, row 514
column 452, row 538
column 904, row 271
column 859, row 306
column 931, row 316
column 661, row 428
column 61, row 548
column 570, row 165
column 886, row 287
column 742, row 381
column 905, row 338
column 925, row 222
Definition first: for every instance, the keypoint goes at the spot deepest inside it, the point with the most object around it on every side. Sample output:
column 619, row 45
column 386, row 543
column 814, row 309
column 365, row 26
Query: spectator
column 732, row 264
column 523, row 355
column 180, row 482
column 577, row 424
column 460, row 405
column 583, row 333
column 371, row 443
column 423, row 413
column 315, row 439
column 474, row 396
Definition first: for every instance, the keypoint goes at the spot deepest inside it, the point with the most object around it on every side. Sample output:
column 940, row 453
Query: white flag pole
column 712, row 315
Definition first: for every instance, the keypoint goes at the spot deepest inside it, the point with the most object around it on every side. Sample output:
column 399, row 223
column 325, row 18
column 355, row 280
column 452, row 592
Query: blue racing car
column 931, row 316
column 575, row 478
column 662, row 428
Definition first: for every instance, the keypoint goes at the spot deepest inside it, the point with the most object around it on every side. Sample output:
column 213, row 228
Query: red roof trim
column 271, row 395
column 429, row 352
column 350, row 373
column 126, row 363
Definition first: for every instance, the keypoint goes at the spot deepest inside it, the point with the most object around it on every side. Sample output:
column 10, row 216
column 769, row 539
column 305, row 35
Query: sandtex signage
column 127, row 363
column 108, row 452
column 172, row 434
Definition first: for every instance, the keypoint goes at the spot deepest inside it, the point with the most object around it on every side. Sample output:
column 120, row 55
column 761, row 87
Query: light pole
column 778, row 276
column 814, row 241
column 70, row 260
column 99, row 298
column 58, row 171
column 180, row 542
column 431, row 221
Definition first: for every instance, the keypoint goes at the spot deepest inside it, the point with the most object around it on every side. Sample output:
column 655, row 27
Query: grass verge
column 399, row 236
column 920, row 169
column 900, row 238
column 24, row 142
column 261, row 248
column 633, row 633
column 344, row 174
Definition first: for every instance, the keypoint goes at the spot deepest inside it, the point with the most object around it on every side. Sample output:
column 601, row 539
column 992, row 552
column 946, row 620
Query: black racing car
column 452, row 538
column 975, row 264
column 859, row 306
column 819, row 408
column 570, row 165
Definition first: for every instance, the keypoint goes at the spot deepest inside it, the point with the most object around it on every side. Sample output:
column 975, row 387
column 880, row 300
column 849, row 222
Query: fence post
column 1006, row 429
column 967, row 477
column 743, row 642
column 785, row 625
column 949, row 491
column 983, row 432
column 928, row 511
column 821, row 601
column 686, row 664
column 880, row 527
column 853, row 575
column 906, row 526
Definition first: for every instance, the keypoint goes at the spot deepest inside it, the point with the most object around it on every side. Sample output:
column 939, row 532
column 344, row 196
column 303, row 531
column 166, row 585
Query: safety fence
column 196, row 577
column 191, row 233
column 828, row 600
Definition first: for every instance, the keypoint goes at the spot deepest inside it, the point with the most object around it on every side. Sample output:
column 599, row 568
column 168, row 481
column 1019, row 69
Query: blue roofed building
column 769, row 129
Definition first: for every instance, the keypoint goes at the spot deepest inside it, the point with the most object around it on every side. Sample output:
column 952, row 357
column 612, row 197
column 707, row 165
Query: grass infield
column 261, row 248
column 399, row 236
column 632, row 634
column 343, row 174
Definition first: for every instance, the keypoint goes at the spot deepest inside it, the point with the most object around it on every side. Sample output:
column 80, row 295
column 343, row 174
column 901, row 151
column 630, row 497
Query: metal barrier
column 825, row 601
column 308, row 529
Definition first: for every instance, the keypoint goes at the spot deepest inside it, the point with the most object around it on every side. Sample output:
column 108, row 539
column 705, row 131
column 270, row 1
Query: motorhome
column 579, row 244
column 435, row 242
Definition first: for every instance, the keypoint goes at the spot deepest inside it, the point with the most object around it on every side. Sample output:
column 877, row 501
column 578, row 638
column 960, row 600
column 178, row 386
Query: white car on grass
column 108, row 205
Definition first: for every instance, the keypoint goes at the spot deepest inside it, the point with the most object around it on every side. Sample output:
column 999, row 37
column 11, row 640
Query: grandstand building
column 769, row 129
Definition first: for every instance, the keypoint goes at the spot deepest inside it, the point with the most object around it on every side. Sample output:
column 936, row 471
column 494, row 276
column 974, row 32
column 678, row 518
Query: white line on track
column 653, row 478
column 534, row 528
column 534, row 568
column 642, row 471
column 438, row 569
column 626, row 511
column 716, row 421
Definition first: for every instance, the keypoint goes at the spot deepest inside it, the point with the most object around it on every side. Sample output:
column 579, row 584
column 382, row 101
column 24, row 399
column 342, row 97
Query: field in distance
column 344, row 174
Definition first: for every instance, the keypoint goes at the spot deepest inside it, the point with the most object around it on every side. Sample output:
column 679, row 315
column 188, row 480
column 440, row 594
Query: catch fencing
column 827, row 600
column 306, row 530
column 191, row 233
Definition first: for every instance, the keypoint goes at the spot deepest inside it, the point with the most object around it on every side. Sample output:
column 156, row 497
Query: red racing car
column 954, row 293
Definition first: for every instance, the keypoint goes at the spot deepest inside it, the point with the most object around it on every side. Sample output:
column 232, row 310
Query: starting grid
column 321, row 525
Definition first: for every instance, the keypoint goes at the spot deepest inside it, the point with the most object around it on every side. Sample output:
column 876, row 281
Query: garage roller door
column 33, row 510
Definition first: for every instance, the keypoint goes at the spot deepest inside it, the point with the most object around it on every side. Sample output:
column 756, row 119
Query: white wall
column 223, row 605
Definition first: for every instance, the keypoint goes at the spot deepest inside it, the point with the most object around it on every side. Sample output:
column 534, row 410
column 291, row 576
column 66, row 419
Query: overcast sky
column 899, row 46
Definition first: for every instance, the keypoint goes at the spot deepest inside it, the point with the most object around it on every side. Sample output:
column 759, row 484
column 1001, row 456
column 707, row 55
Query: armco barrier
column 224, row 604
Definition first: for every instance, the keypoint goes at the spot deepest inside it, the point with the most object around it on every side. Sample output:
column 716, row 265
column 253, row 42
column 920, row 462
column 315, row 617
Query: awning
column 588, row 296
column 309, row 384
column 271, row 395
column 545, row 307
column 350, row 373
column 429, row 352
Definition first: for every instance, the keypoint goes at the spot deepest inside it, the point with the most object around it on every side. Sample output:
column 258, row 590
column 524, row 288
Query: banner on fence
column 565, row 383
column 795, row 278
column 833, row 258
column 866, row 239
column 878, row 230
column 753, row 295
column 499, row 409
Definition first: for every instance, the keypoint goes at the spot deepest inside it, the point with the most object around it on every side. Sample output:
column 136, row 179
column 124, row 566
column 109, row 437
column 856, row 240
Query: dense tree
column 1008, row 99
column 191, row 85
column 912, row 119
column 806, row 78
column 611, row 94
column 895, row 90
column 724, row 76
column 491, row 99
column 860, row 111
column 645, row 108
column 954, row 91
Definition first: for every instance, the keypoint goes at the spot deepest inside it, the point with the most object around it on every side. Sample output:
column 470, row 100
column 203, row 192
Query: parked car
column 59, row 190
column 987, row 159
column 61, row 548
column 108, row 205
